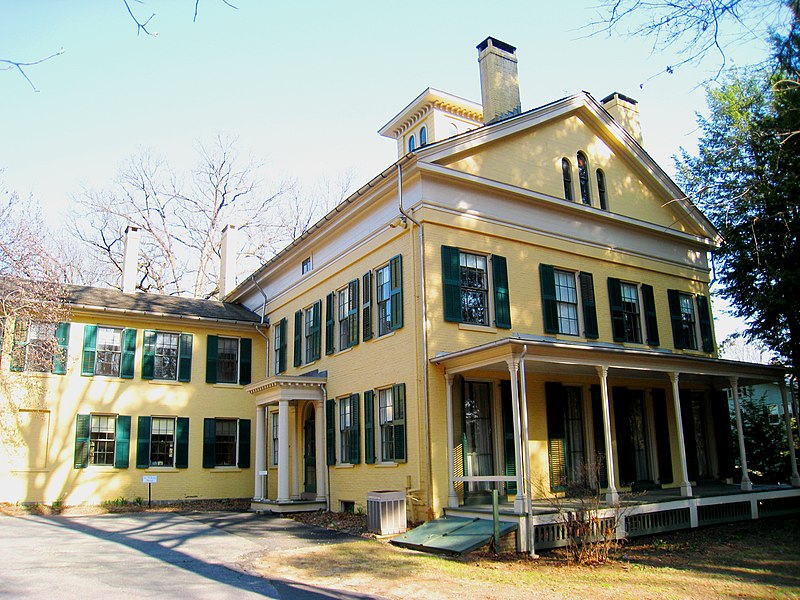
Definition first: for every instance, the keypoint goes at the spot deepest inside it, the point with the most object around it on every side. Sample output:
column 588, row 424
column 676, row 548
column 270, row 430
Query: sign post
column 149, row 480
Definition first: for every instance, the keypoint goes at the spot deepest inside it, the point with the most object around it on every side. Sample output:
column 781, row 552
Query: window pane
column 40, row 346
column 474, row 289
column 566, row 302
column 383, row 288
column 109, row 351
column 227, row 360
column 166, row 356
column 101, row 440
column 162, row 441
column 225, row 443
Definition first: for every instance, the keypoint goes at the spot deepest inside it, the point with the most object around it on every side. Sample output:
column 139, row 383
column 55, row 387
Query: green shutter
column 677, row 318
column 123, row 442
column 182, row 443
column 89, row 349
column 245, row 360
column 650, row 319
column 399, row 422
column 148, row 354
column 20, row 341
column 502, row 303
column 298, row 338
column 209, row 443
column 549, row 307
column 451, row 284
column 143, row 443
column 556, row 435
column 369, row 427
column 60, row 356
column 316, row 330
column 128, row 353
column 330, row 432
column 244, row 444
column 353, row 313
column 617, row 311
column 185, row 358
column 355, row 431
column 589, row 306
column 704, row 317
column 509, row 447
column 82, row 433
column 396, row 292
column 212, row 348
column 366, row 306
column 282, row 348
column 330, row 316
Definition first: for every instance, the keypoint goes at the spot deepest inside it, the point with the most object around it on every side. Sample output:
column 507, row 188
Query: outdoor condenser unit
column 386, row 512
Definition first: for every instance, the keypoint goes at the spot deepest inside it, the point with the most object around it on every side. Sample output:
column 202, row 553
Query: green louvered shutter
column 330, row 432
column 399, row 422
column 502, row 302
column 355, row 431
column 396, row 292
column 20, row 341
column 185, row 357
column 245, row 361
column 589, row 306
column 330, row 316
column 298, row 338
column 704, row 317
column 182, row 443
column 451, row 284
column 122, row 448
column 556, row 435
column 244, row 444
column 61, row 354
column 209, row 443
column 650, row 319
column 128, row 353
column 353, row 316
column 369, row 427
column 82, row 434
column 676, row 316
column 549, row 307
column 617, row 311
column 212, row 349
column 89, row 350
column 143, row 443
column 509, row 447
column 366, row 305
column 282, row 349
column 148, row 354
column 316, row 330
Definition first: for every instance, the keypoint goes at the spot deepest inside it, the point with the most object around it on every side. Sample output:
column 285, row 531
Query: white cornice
column 429, row 100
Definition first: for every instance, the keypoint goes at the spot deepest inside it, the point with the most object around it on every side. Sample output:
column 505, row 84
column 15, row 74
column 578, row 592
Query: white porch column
column 686, row 487
column 746, row 484
column 283, row 451
column 319, row 441
column 521, row 501
column 612, row 496
column 261, row 453
column 787, row 421
column 452, row 497
column 296, row 450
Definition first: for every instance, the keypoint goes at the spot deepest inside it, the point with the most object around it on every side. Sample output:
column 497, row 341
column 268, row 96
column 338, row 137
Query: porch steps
column 452, row 535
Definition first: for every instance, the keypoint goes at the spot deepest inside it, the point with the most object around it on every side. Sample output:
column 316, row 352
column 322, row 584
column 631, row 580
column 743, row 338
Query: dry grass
column 122, row 505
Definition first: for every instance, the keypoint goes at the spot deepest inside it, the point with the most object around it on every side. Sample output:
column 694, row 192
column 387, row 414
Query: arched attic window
column 423, row 136
column 583, row 179
column 412, row 143
column 601, row 189
column 566, row 172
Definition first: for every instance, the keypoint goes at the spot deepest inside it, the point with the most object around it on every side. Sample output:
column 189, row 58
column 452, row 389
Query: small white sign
column 149, row 478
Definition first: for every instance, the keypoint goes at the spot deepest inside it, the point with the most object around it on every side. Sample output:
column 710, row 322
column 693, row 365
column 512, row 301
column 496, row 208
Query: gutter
column 128, row 311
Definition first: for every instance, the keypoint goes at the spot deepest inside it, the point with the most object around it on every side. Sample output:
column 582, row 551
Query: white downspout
column 325, row 434
column 423, row 302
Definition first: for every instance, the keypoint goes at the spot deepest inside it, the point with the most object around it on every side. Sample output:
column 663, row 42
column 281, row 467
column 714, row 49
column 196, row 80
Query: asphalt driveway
column 152, row 555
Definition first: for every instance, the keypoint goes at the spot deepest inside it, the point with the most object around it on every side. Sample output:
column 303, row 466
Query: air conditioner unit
column 386, row 512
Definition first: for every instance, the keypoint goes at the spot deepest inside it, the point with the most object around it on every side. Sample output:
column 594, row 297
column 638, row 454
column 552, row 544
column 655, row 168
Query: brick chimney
column 499, row 80
column 625, row 112
column 229, row 249
column 130, row 259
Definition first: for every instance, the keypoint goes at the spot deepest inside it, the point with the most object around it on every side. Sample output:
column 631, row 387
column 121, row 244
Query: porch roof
column 549, row 355
column 283, row 387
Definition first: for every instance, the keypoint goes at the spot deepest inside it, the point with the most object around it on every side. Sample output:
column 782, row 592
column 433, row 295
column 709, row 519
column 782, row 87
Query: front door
column 310, row 453
column 478, row 450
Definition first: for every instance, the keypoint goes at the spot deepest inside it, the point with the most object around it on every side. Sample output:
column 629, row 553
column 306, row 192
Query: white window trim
column 578, row 301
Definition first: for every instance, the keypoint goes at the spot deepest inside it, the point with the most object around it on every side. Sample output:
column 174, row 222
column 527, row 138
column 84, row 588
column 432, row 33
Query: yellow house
column 520, row 303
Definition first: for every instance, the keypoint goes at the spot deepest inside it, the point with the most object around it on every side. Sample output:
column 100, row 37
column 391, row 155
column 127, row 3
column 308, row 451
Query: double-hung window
column 39, row 347
column 691, row 321
column 349, row 442
column 167, row 356
column 313, row 331
column 388, row 298
column 568, row 302
column 391, row 421
column 632, row 305
column 280, row 346
column 162, row 442
column 108, row 351
column 275, row 439
column 226, row 443
column 383, row 298
column 631, row 313
column 228, row 359
column 474, row 284
column 102, row 440
column 347, row 301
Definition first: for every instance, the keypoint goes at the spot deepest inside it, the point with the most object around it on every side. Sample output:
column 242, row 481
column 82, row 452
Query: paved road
column 151, row 555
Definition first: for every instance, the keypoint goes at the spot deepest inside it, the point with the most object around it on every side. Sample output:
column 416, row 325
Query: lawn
column 755, row 559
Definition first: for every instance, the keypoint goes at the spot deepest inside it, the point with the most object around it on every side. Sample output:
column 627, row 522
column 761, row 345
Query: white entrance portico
column 290, row 444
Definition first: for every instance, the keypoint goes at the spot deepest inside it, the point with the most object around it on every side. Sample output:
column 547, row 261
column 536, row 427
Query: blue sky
column 303, row 85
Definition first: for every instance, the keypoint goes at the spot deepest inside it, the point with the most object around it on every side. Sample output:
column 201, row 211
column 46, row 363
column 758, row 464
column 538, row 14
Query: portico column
column 319, row 441
column 261, row 453
column 746, row 484
column 612, row 496
column 452, row 497
column 521, row 500
column 787, row 421
column 686, row 487
column 283, row 451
